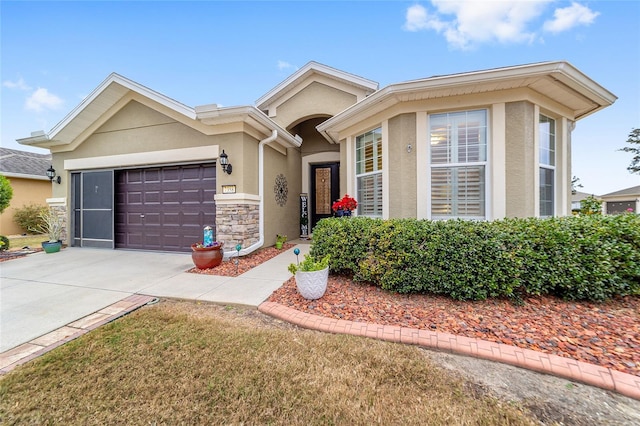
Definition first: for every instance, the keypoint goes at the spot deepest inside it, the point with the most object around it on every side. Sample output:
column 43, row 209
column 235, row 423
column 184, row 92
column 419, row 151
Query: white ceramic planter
column 312, row 285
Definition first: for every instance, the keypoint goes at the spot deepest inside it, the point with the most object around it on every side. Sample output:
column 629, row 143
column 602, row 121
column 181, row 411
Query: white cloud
column 468, row 23
column 19, row 85
column 41, row 99
column 282, row 65
column 568, row 17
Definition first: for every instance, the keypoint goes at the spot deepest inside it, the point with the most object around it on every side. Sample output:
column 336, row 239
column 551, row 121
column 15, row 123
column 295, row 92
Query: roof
column 579, row 196
column 310, row 69
column 105, row 96
column 633, row 191
column 558, row 81
column 23, row 164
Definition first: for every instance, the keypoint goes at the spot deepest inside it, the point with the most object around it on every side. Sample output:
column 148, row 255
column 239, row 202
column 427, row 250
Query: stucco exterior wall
column 282, row 171
column 316, row 99
column 313, row 142
column 25, row 192
column 520, row 160
column 402, row 170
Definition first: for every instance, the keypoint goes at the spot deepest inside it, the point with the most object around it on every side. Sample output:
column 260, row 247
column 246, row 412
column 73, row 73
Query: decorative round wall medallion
column 281, row 190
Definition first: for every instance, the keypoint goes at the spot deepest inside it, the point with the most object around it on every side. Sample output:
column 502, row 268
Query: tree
column 634, row 140
column 575, row 184
column 591, row 205
column 6, row 193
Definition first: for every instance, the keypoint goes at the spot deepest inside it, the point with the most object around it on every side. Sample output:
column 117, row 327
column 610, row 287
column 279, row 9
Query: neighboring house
column 26, row 172
column 140, row 170
column 578, row 197
column 622, row 201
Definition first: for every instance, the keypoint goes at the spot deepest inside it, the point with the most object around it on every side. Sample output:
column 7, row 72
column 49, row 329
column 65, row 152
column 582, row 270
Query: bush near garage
column 585, row 257
column 28, row 217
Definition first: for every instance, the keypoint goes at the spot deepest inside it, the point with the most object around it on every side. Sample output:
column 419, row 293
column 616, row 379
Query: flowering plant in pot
column 311, row 276
column 344, row 206
column 206, row 256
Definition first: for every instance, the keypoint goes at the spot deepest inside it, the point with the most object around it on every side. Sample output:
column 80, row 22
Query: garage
column 158, row 208
column 164, row 208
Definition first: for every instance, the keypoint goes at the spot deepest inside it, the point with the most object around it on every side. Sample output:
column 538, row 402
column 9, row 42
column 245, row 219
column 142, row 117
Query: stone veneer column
column 237, row 222
column 59, row 206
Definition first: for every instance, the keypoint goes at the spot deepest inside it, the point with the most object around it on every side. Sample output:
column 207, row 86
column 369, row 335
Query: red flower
column 346, row 203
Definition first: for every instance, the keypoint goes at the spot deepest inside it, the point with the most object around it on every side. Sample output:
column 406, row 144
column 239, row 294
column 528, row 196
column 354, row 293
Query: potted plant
column 311, row 276
column 206, row 256
column 51, row 224
column 280, row 240
column 344, row 206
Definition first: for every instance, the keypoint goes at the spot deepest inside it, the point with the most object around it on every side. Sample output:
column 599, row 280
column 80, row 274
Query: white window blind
column 369, row 173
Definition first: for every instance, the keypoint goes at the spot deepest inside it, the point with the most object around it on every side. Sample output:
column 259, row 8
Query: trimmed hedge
column 577, row 258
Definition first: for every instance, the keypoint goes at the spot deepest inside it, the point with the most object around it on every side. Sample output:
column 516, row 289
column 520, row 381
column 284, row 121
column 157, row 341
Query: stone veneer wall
column 61, row 210
column 237, row 223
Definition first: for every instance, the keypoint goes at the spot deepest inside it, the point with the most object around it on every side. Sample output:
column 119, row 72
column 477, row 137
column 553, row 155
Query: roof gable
column 633, row 191
column 109, row 93
column 310, row 73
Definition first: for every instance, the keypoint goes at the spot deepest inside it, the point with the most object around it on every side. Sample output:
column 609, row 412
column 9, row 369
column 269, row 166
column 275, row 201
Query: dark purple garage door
column 164, row 208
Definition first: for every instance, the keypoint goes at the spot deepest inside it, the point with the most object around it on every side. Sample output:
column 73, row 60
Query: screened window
column 458, row 164
column 547, row 160
column 369, row 173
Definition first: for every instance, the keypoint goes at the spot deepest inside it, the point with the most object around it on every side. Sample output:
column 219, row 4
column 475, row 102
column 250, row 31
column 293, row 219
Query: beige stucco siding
column 315, row 100
column 281, row 219
column 402, row 166
column 520, row 159
column 25, row 192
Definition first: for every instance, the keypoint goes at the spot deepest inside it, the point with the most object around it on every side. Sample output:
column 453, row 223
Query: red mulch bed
column 606, row 334
column 228, row 267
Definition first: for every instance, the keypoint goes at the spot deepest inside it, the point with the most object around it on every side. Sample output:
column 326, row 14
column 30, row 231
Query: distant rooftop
column 15, row 163
column 634, row 190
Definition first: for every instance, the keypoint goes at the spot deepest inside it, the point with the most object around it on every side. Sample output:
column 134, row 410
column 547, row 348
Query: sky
column 53, row 54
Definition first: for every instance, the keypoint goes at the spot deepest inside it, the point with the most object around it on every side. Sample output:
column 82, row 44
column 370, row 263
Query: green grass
column 33, row 241
column 191, row 363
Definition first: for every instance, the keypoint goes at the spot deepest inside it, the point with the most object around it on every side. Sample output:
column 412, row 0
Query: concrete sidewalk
column 42, row 293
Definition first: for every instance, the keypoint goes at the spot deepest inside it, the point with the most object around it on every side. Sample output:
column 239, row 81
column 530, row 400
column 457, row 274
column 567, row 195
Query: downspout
column 257, row 244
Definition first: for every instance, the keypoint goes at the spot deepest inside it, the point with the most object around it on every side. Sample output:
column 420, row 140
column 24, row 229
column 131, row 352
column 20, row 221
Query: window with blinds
column 458, row 156
column 369, row 173
column 547, row 160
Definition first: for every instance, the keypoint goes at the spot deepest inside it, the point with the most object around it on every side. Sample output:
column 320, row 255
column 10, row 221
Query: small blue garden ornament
column 238, row 248
column 208, row 236
column 296, row 251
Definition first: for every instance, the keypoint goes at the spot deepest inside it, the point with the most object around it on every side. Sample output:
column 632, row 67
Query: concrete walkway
column 41, row 294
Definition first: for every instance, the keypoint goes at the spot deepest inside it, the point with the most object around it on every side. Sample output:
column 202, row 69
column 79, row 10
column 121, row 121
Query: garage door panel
column 176, row 202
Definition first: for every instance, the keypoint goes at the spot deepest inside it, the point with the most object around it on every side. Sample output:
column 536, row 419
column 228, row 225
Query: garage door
column 164, row 208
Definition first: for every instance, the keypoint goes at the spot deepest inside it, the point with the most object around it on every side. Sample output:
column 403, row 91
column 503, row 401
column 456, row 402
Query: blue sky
column 53, row 54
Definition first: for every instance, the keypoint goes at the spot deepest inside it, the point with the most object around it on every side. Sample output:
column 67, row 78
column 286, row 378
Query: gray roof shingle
column 13, row 161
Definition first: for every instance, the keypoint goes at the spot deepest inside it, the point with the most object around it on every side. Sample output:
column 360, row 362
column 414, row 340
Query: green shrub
column 4, row 243
column 6, row 193
column 29, row 217
column 590, row 257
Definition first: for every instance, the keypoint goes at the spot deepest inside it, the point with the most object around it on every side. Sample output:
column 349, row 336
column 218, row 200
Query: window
column 547, row 160
column 458, row 164
column 369, row 173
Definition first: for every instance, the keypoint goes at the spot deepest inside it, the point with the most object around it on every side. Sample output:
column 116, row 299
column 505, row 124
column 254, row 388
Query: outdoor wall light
column 51, row 174
column 224, row 162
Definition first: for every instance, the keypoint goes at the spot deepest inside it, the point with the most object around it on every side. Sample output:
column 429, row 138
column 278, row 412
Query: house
column 26, row 172
column 577, row 198
column 625, row 200
column 143, row 171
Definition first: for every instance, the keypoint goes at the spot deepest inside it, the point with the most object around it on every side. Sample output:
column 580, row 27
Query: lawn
column 20, row 241
column 193, row 363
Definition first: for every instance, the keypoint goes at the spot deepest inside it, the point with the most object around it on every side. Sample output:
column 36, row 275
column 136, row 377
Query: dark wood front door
column 325, row 189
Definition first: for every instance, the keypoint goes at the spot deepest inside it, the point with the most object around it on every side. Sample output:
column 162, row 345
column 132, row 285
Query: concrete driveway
column 43, row 292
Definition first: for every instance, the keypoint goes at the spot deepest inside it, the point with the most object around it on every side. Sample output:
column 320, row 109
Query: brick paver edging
column 43, row 344
column 602, row 377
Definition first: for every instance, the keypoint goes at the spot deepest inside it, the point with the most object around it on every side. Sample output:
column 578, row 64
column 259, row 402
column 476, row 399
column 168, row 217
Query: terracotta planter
column 207, row 257
column 51, row 246
column 312, row 285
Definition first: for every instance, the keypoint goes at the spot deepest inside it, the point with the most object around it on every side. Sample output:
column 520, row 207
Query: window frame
column 547, row 150
column 376, row 173
column 480, row 163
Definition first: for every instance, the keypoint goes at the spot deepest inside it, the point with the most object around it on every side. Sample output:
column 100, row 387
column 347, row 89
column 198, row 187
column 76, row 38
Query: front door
column 325, row 189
